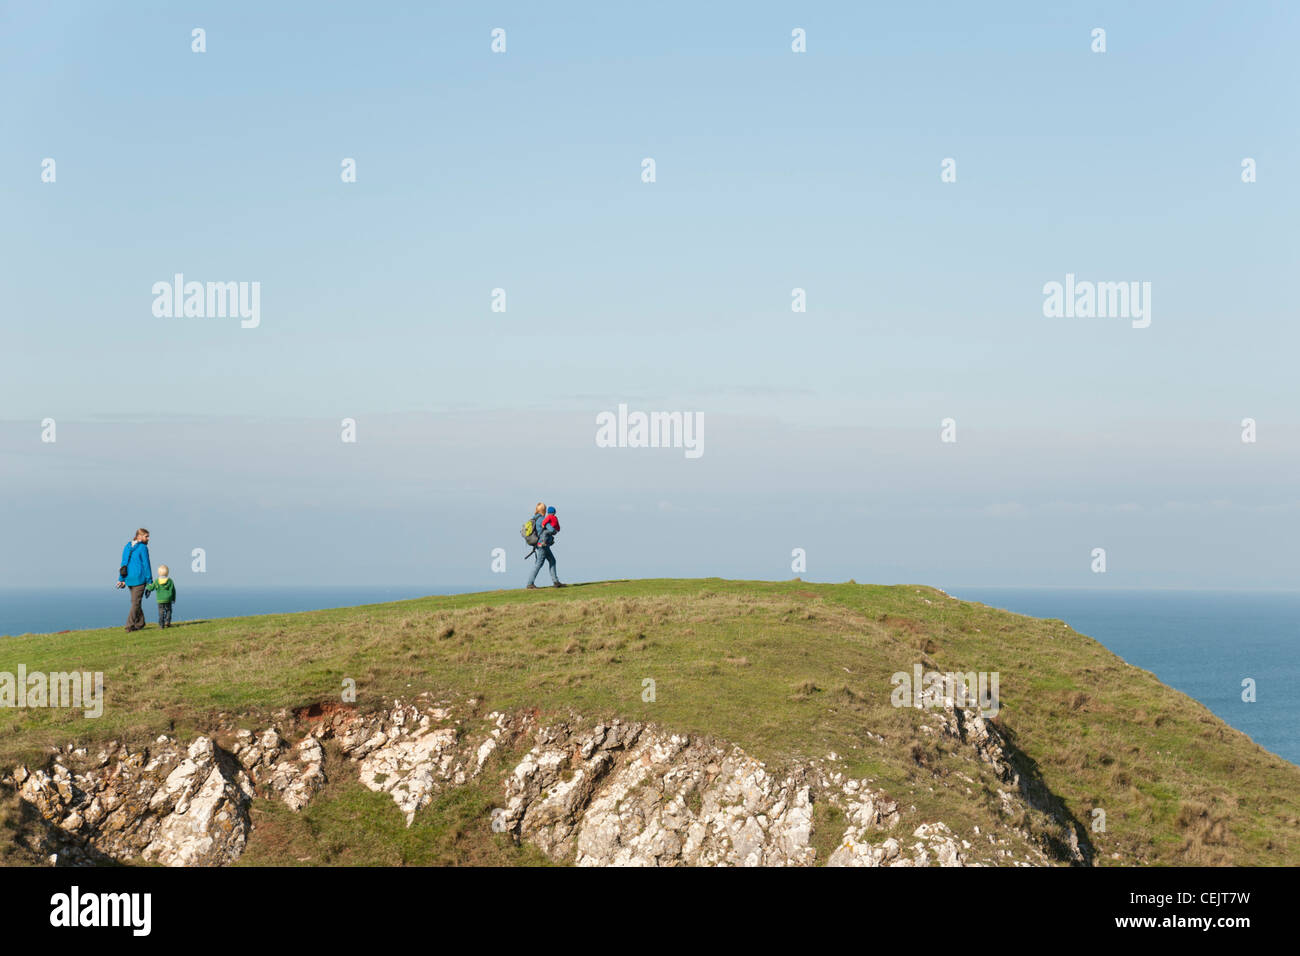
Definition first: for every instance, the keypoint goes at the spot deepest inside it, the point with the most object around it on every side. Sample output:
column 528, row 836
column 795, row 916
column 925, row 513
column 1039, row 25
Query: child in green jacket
column 166, row 594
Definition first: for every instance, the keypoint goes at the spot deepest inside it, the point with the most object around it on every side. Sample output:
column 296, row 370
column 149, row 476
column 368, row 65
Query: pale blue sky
column 775, row 170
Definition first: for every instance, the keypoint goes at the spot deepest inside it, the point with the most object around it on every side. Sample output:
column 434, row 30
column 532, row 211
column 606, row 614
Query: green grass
column 786, row 670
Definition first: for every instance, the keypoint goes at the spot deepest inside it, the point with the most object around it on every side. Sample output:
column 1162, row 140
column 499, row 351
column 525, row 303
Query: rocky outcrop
column 631, row 795
column 613, row 794
column 1064, row 837
column 294, row 775
column 164, row 804
column 201, row 811
column 866, row 811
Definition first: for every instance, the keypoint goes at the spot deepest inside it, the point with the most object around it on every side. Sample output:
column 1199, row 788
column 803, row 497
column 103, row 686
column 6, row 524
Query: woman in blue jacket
column 135, row 562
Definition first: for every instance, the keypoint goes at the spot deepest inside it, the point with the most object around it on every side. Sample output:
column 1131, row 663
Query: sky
column 774, row 170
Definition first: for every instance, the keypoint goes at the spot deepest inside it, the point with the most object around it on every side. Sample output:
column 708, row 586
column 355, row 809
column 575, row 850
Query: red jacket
column 546, row 530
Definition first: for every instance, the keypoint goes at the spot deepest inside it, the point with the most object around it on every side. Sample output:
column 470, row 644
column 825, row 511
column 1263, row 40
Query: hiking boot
column 559, row 585
column 530, row 587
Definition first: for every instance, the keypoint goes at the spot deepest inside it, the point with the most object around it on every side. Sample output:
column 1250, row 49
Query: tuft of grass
column 805, row 689
column 829, row 823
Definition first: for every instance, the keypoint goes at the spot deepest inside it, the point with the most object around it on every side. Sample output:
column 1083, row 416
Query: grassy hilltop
column 785, row 670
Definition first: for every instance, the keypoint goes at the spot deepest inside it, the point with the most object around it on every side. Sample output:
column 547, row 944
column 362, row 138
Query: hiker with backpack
column 135, row 573
column 540, row 531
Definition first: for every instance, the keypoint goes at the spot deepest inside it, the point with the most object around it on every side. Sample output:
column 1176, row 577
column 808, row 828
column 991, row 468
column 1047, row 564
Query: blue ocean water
column 1204, row 643
column 40, row 612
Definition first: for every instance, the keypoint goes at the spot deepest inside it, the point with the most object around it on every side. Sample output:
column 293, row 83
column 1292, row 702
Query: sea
column 75, row 609
column 1202, row 642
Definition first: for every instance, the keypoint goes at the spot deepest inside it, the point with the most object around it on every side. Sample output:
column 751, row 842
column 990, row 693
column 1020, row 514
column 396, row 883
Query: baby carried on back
column 540, row 531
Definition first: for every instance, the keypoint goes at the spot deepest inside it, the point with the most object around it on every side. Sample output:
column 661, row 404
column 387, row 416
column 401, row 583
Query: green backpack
column 529, row 531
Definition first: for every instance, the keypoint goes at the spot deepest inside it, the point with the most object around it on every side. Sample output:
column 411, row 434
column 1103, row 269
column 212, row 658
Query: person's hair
column 540, row 509
column 140, row 531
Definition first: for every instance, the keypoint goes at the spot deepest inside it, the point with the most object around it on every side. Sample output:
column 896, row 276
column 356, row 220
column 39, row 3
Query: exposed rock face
column 866, row 811
column 413, row 752
column 162, row 804
column 617, row 794
column 201, row 809
column 631, row 795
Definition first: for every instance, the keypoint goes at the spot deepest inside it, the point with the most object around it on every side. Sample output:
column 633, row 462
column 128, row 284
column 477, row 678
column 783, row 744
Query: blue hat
column 550, row 511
